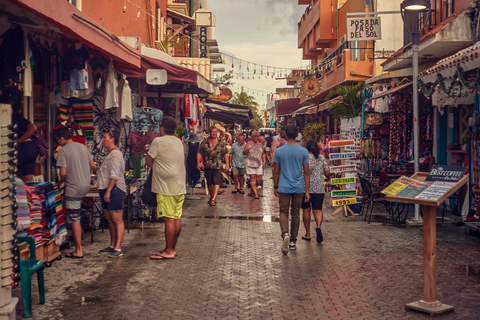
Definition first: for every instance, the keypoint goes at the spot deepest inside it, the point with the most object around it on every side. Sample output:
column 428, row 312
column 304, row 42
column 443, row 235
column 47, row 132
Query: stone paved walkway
column 230, row 266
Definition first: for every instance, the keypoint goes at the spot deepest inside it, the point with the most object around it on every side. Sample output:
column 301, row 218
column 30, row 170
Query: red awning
column 180, row 79
column 72, row 22
column 287, row 106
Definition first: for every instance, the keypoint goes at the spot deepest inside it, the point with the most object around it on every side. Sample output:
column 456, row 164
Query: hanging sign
column 343, row 180
column 342, row 202
column 346, row 168
column 340, row 143
column 225, row 95
column 341, row 156
column 359, row 29
column 343, row 193
column 446, row 173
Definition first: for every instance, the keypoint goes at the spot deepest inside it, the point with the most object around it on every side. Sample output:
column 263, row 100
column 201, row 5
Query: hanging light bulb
column 124, row 9
column 138, row 14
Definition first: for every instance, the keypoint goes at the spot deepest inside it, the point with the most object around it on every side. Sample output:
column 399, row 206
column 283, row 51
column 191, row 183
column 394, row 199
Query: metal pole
column 416, row 133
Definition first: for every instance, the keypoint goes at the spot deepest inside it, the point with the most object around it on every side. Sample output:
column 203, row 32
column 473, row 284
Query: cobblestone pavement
column 230, row 266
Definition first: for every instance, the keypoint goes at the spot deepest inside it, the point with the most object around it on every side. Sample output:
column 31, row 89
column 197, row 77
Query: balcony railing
column 177, row 1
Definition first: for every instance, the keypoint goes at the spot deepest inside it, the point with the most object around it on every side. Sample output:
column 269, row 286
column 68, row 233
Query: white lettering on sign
column 359, row 29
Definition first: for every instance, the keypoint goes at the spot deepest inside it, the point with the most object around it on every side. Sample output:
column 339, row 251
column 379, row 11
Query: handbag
column 40, row 144
column 148, row 197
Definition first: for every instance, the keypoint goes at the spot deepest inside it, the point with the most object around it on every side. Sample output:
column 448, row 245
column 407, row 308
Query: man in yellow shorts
column 167, row 160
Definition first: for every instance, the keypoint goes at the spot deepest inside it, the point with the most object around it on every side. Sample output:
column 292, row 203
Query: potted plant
column 313, row 131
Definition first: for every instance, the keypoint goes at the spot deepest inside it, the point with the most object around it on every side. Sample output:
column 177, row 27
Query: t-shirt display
column 146, row 119
column 138, row 140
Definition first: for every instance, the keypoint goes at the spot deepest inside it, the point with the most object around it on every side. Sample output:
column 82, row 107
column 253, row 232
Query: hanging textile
column 111, row 88
column 83, row 112
column 145, row 119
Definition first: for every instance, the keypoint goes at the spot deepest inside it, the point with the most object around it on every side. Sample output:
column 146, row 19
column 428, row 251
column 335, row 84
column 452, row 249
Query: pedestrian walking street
column 229, row 265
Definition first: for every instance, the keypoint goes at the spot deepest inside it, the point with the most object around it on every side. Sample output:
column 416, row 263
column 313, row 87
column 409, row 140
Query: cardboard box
column 38, row 252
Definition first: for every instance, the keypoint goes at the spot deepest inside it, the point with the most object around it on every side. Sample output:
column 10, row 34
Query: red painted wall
column 127, row 23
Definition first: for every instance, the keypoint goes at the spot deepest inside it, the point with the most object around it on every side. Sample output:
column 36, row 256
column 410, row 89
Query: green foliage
column 170, row 43
column 350, row 104
column 313, row 131
column 244, row 99
column 224, row 80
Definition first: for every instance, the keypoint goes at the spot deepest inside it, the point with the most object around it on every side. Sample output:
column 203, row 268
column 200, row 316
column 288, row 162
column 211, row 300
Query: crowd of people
column 299, row 173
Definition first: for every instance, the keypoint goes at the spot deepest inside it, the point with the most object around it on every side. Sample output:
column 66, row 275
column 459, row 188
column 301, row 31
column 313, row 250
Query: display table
column 93, row 193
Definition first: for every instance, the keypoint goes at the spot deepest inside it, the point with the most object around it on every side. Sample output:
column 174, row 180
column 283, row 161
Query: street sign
column 340, row 143
column 345, row 168
column 343, row 181
column 367, row 28
column 341, row 156
column 344, row 193
column 343, row 202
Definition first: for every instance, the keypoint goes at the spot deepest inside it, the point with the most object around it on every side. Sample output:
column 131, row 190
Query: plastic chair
column 27, row 268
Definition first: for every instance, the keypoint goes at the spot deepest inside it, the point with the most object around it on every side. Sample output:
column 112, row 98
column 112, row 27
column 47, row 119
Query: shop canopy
column 287, row 106
column 225, row 116
column 180, row 79
column 70, row 21
column 392, row 90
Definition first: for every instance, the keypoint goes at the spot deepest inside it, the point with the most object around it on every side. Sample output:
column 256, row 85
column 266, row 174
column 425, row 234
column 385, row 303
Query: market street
column 230, row 266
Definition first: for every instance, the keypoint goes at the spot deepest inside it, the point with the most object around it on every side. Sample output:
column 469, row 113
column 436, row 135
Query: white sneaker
column 286, row 240
column 292, row 245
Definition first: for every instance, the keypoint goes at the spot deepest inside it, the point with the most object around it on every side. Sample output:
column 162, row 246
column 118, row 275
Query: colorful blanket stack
column 23, row 212
column 83, row 112
column 61, row 234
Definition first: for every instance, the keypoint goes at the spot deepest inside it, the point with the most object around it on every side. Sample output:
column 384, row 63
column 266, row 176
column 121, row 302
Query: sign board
column 343, row 202
column 343, row 181
column 341, row 156
column 343, row 193
column 446, row 173
column 436, row 190
column 340, row 143
column 365, row 28
column 225, row 95
column 346, row 168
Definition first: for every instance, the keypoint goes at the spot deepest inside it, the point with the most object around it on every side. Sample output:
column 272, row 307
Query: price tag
column 341, row 202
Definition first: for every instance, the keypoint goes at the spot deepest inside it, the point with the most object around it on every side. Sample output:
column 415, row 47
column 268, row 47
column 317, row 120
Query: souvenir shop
column 386, row 146
column 52, row 77
column 453, row 85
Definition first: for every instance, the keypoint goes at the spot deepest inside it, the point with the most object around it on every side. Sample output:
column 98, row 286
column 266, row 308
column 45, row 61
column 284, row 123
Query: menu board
column 435, row 190
column 397, row 186
column 413, row 189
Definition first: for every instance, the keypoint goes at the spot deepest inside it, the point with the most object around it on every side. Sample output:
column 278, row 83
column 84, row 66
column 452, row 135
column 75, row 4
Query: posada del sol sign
column 359, row 29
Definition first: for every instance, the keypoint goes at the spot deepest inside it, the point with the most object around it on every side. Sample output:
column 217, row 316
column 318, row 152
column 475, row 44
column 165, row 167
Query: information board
column 341, row 156
column 340, row 143
column 344, row 168
column 446, row 173
column 343, row 181
column 343, row 202
column 368, row 28
column 343, row 193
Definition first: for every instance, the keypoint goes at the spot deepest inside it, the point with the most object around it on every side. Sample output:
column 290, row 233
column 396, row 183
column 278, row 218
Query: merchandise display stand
column 343, row 202
column 429, row 304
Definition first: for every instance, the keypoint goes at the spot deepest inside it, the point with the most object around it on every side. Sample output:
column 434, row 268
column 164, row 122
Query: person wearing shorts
column 213, row 152
column 112, row 190
column 255, row 162
column 74, row 162
column 237, row 163
column 319, row 172
column 166, row 158
column 27, row 152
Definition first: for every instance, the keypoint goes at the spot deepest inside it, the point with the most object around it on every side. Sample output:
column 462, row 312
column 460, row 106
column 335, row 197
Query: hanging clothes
column 111, row 87
column 145, row 119
column 125, row 94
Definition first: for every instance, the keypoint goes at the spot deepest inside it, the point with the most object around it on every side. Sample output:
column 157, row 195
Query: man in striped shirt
column 167, row 160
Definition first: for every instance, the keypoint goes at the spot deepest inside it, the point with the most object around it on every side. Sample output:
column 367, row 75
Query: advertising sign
column 446, row 173
column 341, row 156
column 345, row 168
column 359, row 29
column 343, row 181
column 343, row 193
column 340, row 143
column 225, row 95
column 342, row 202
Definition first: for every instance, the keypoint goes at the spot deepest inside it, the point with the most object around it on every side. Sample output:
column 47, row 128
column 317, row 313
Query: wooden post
column 430, row 257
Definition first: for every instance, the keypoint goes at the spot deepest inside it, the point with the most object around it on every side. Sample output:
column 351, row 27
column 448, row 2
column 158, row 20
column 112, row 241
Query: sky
column 262, row 32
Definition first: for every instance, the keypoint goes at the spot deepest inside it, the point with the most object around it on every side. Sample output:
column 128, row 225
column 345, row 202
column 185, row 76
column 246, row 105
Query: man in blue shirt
column 290, row 184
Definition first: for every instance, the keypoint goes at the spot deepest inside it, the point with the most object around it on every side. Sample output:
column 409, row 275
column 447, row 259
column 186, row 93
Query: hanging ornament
column 248, row 69
column 124, row 9
column 138, row 14
column 240, row 66
column 268, row 72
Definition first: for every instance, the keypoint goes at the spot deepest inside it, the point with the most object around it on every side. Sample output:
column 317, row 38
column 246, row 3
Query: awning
column 225, row 116
column 225, row 106
column 72, row 22
column 328, row 104
column 393, row 90
column 183, row 19
column 287, row 106
column 306, row 110
column 180, row 79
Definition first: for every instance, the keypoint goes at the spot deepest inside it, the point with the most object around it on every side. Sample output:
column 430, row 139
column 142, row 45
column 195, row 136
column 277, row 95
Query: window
column 76, row 3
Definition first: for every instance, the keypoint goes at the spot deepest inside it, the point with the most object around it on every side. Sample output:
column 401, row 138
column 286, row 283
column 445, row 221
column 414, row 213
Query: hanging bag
column 40, row 144
column 148, row 197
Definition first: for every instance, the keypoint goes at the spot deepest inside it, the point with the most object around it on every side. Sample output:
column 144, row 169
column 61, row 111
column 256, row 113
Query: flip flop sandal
column 241, row 191
column 256, row 197
column 160, row 257
column 235, row 191
column 213, row 203
column 71, row 256
column 209, row 201
column 306, row 239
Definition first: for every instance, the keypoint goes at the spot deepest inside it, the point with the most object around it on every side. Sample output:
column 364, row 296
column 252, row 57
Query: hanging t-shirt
column 137, row 140
column 111, row 86
column 146, row 119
